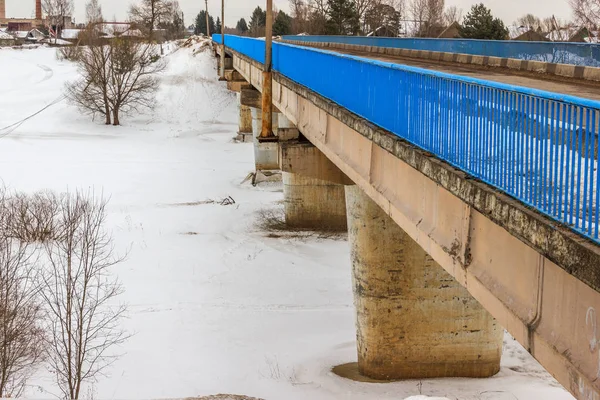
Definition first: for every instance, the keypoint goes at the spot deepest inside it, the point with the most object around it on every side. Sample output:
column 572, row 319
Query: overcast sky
column 508, row 10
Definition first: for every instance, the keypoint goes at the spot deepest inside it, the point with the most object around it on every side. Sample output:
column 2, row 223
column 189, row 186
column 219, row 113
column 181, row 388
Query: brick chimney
column 2, row 9
column 38, row 9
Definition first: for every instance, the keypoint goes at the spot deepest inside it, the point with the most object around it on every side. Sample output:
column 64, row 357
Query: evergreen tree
column 342, row 18
column 218, row 25
column 241, row 26
column 282, row 24
column 200, row 28
column 480, row 24
column 258, row 20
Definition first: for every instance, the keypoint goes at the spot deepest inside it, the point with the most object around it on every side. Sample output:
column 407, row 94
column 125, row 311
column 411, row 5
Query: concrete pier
column 313, row 188
column 245, row 122
column 265, row 153
column 413, row 319
column 313, row 203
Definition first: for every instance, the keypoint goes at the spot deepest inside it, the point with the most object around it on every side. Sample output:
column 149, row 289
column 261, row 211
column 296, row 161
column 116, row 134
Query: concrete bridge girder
column 493, row 246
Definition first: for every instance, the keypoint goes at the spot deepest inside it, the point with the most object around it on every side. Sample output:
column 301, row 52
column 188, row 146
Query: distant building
column 526, row 34
column 70, row 35
column 570, row 34
column 384, row 31
column 451, row 32
column 19, row 26
column 7, row 39
column 30, row 36
column 22, row 23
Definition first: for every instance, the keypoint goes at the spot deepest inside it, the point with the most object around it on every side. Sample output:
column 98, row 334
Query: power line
column 11, row 128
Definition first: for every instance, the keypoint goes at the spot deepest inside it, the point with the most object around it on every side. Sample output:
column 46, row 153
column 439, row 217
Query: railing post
column 267, row 86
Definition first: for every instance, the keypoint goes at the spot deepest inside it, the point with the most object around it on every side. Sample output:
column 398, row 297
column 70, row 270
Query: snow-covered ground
column 216, row 305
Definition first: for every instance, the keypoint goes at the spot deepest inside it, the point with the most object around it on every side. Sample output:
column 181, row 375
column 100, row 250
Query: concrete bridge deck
column 538, row 278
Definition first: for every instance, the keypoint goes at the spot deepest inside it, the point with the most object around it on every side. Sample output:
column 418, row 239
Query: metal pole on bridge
column 223, row 39
column 207, row 24
column 267, row 84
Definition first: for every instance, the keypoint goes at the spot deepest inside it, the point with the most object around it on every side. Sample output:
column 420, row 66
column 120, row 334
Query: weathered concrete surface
column 237, row 86
column 414, row 320
column 313, row 203
column 244, row 122
column 265, row 153
column 251, row 98
column 482, row 237
column 313, row 188
column 303, row 158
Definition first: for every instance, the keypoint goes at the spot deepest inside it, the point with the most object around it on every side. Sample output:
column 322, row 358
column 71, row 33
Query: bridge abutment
column 413, row 319
column 313, row 188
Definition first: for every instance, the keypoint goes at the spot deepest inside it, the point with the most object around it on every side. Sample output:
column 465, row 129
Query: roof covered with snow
column 516, row 31
column 70, row 33
column 132, row 33
column 6, row 36
column 567, row 33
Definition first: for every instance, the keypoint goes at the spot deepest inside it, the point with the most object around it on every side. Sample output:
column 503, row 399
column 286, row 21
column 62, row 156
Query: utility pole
column 267, row 84
column 207, row 24
column 223, row 39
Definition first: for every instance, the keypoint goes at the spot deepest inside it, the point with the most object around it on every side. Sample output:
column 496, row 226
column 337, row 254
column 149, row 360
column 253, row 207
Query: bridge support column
column 245, row 123
column 313, row 188
column 413, row 319
column 265, row 153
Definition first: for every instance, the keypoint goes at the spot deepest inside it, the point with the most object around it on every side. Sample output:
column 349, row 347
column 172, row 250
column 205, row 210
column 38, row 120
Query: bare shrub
column 68, row 53
column 29, row 218
column 21, row 326
column 79, row 294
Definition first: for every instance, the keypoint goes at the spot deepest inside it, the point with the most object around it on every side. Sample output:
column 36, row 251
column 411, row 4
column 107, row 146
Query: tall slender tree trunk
column 107, row 113
column 116, row 116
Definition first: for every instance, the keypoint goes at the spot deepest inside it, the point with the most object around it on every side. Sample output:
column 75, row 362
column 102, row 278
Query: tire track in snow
column 48, row 73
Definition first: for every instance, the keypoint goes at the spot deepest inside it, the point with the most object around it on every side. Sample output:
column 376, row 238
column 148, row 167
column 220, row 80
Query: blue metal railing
column 585, row 54
column 539, row 147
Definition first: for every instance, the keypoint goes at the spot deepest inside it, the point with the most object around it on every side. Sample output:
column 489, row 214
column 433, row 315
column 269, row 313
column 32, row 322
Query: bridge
column 472, row 205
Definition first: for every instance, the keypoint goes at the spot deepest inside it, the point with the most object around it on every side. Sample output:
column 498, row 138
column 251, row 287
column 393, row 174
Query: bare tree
column 21, row 317
column 529, row 21
column 117, row 77
column 452, row 14
column 57, row 11
column 150, row 14
column 80, row 295
column 299, row 12
column 133, row 84
column 362, row 7
column 385, row 14
column 318, row 11
column 28, row 218
column 93, row 12
column 586, row 12
column 428, row 15
column 90, row 93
